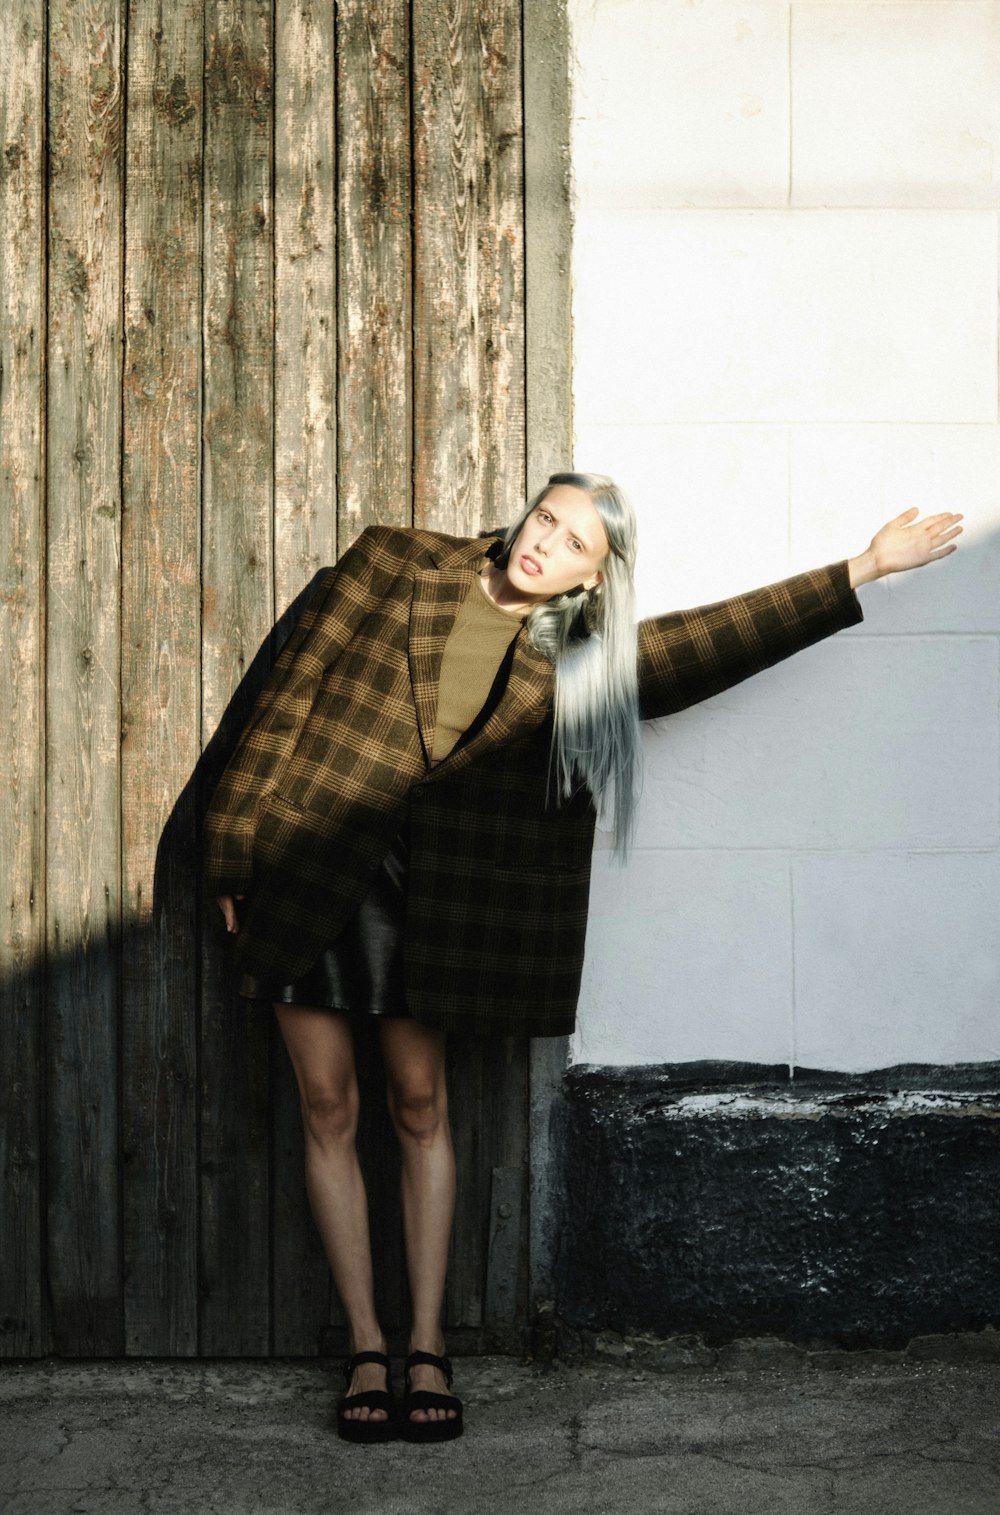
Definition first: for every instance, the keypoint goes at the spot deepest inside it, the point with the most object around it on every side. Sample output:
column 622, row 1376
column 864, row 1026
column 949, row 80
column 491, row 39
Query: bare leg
column 413, row 1055
column 321, row 1048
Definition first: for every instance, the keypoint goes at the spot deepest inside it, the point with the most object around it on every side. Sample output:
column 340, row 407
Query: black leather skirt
column 362, row 971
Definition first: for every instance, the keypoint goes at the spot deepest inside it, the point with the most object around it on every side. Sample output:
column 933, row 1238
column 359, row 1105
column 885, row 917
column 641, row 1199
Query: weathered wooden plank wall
column 305, row 529
column 261, row 283
column 22, row 547
column 83, row 646
column 161, row 614
column 238, row 608
column 468, row 322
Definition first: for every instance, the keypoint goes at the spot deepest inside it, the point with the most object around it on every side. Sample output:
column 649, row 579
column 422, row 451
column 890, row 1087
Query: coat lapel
column 438, row 593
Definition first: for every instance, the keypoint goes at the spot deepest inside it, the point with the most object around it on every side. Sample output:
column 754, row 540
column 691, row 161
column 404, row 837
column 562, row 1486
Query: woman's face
column 561, row 544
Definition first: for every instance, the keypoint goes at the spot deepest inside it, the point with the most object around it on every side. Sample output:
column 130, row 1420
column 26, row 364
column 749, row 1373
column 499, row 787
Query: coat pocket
column 285, row 833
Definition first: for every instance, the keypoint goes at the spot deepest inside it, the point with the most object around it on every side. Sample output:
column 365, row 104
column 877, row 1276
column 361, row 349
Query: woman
column 409, row 816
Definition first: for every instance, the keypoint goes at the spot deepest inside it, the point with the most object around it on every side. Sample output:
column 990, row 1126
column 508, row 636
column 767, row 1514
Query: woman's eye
column 576, row 546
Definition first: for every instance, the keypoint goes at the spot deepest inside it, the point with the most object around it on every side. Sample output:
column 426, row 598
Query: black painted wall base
column 727, row 1200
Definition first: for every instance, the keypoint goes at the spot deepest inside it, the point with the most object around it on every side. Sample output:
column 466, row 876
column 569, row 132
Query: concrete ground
column 847, row 1435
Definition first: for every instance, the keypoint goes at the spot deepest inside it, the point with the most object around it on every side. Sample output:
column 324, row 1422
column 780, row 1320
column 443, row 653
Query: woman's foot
column 367, row 1375
column 424, row 1376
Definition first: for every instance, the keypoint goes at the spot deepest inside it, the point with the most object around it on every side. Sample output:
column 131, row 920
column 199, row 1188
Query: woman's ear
column 594, row 580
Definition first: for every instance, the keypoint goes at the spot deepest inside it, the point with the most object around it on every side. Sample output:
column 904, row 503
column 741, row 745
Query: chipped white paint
column 762, row 1103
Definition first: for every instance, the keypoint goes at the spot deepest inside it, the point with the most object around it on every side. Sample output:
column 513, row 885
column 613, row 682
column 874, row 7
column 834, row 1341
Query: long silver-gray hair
column 590, row 637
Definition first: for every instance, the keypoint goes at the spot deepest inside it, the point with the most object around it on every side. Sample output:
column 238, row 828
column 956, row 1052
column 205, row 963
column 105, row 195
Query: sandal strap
column 375, row 1399
column 434, row 1361
column 359, row 1357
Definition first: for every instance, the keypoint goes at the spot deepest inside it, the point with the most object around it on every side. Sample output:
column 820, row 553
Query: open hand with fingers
column 905, row 542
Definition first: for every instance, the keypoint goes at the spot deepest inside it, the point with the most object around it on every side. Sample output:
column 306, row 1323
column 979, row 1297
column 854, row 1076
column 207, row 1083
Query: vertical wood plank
column 446, row 366
column 305, row 458
column 487, row 1099
column 374, row 324
column 468, row 338
column 502, row 1306
column 468, row 344
column 237, row 575
column 374, row 298
column 500, row 248
column 160, row 689
column 305, row 530
column 549, row 422
column 82, row 718
column 548, row 229
column 23, row 1330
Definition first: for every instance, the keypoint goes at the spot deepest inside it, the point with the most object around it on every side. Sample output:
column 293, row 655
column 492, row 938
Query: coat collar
column 438, row 593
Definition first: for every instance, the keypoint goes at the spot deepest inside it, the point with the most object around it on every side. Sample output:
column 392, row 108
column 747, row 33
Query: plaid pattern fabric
column 336, row 756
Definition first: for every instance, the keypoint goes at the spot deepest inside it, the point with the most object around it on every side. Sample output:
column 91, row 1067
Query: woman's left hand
column 906, row 543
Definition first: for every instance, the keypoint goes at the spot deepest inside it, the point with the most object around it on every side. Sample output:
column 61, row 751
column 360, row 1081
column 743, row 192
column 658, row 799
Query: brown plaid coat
column 335, row 757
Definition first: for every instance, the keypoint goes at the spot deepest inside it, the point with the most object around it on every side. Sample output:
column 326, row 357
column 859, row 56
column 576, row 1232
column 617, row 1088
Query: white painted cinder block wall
column 785, row 332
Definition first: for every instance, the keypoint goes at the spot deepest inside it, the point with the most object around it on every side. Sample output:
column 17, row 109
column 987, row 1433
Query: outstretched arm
column 689, row 655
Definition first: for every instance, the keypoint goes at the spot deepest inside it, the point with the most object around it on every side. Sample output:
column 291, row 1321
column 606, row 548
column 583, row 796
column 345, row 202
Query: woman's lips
column 529, row 565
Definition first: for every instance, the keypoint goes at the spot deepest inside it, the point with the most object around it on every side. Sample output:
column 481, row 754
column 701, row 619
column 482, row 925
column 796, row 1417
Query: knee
column 418, row 1113
column 330, row 1114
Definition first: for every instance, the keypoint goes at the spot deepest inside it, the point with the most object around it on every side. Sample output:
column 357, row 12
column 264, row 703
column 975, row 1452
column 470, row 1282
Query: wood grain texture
column 374, row 305
column 238, row 611
column 305, row 529
column 488, row 1088
column 160, row 677
column 83, row 889
column 305, row 362
column 23, row 1330
column 504, row 1280
column 468, row 264
column 500, row 245
column 547, row 242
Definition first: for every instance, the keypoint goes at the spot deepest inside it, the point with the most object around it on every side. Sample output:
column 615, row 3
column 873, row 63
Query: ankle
column 372, row 1340
column 427, row 1341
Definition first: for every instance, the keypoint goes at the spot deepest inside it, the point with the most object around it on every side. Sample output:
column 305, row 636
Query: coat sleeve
column 688, row 655
column 344, row 596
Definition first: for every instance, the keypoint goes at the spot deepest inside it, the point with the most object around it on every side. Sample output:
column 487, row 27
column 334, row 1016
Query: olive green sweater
column 473, row 652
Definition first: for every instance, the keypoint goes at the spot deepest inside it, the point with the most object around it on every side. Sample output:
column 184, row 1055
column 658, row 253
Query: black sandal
column 376, row 1399
column 427, row 1399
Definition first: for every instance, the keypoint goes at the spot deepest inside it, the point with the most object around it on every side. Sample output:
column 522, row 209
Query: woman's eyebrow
column 581, row 539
